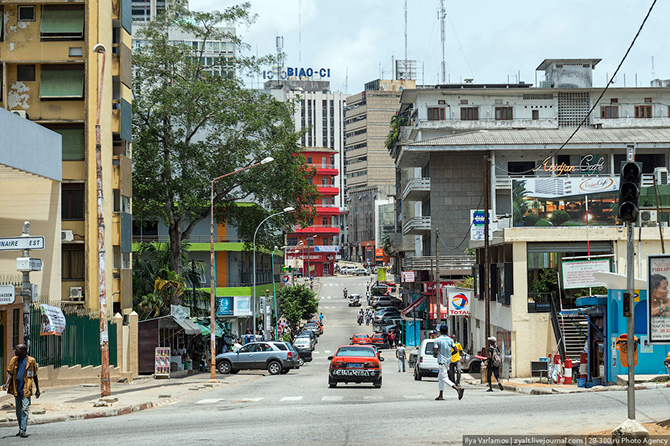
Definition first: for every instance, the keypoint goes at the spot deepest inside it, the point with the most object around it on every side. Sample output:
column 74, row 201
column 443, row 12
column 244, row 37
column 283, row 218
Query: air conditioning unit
column 661, row 176
column 76, row 293
column 66, row 236
column 21, row 113
column 648, row 218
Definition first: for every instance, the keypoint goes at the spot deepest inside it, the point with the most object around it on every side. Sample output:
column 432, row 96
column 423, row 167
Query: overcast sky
column 491, row 41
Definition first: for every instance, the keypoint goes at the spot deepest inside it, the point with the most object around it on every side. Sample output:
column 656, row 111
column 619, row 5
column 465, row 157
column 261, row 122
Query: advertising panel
column 224, row 306
column 477, row 220
column 658, row 301
column 564, row 201
column 381, row 274
column 459, row 302
column 52, row 320
column 162, row 362
column 242, row 306
column 407, row 276
column 579, row 273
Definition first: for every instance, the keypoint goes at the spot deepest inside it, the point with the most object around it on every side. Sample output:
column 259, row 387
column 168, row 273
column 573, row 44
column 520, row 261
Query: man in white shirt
column 442, row 351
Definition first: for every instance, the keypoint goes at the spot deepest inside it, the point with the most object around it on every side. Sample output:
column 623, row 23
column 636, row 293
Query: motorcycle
column 345, row 293
column 355, row 300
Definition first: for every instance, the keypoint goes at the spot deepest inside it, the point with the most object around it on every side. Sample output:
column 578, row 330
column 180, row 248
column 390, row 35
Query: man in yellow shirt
column 21, row 373
column 455, row 366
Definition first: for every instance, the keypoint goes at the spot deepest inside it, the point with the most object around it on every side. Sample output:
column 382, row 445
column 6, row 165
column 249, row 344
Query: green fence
column 78, row 345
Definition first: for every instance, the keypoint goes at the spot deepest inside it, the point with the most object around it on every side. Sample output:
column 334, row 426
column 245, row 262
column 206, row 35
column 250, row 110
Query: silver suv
column 274, row 356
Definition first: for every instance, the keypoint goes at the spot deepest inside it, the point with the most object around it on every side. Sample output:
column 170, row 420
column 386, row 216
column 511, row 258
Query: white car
column 304, row 343
column 426, row 363
column 360, row 272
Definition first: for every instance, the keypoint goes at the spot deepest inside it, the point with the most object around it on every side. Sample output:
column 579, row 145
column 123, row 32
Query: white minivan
column 426, row 363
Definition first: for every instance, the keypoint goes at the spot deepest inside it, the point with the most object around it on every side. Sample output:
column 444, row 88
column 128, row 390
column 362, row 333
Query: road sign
column 28, row 264
column 7, row 295
column 21, row 243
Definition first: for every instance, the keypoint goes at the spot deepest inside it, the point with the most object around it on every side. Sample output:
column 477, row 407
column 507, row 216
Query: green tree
column 297, row 303
column 193, row 121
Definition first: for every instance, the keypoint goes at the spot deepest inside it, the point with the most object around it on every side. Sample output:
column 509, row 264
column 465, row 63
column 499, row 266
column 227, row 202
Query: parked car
column 378, row 340
column 471, row 363
column 313, row 326
column 304, row 343
column 384, row 322
column 360, row 338
column 384, row 301
column 347, row 269
column 303, row 356
column 355, row 363
column 426, row 363
column 386, row 312
column 361, row 272
column 311, row 334
column 274, row 356
column 318, row 322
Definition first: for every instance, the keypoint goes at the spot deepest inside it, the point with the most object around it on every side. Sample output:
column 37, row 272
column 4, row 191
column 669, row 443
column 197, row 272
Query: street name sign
column 7, row 295
column 28, row 264
column 21, row 243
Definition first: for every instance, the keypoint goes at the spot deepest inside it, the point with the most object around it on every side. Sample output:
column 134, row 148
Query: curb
column 109, row 412
column 559, row 390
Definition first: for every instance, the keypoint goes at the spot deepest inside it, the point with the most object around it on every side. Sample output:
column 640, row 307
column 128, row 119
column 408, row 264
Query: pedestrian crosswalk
column 350, row 398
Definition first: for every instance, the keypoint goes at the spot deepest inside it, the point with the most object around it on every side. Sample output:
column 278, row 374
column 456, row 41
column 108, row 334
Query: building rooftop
column 546, row 63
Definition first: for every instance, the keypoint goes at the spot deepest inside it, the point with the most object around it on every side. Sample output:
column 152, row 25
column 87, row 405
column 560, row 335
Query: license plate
column 355, row 365
column 434, row 371
column 344, row 372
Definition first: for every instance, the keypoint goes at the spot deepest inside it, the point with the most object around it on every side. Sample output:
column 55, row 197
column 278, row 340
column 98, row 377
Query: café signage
column 588, row 165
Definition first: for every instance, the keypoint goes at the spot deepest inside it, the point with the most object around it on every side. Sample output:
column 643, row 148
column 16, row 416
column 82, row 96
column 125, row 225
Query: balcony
column 416, row 226
column 416, row 189
column 448, row 264
column 486, row 124
column 327, row 209
column 325, row 169
column 317, row 229
column 328, row 190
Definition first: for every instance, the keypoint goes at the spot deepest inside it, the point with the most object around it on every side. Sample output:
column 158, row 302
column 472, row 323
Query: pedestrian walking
column 391, row 339
column 493, row 363
column 442, row 351
column 21, row 373
column 455, row 366
column 400, row 354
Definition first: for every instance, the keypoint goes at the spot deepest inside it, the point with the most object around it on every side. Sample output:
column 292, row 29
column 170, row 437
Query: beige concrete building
column 369, row 170
column 51, row 76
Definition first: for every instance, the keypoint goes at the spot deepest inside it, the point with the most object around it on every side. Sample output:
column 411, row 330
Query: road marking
column 210, row 401
column 326, row 351
column 247, row 400
column 291, row 398
column 415, row 397
column 372, row 397
column 332, row 398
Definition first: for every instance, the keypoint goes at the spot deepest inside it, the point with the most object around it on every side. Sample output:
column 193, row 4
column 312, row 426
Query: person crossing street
column 442, row 351
column 21, row 374
column 400, row 354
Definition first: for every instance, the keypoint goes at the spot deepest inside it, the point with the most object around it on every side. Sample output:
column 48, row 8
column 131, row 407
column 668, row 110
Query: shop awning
column 206, row 330
column 189, row 327
column 411, row 307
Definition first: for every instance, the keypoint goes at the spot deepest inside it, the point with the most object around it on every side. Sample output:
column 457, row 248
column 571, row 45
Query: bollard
column 583, row 365
column 568, row 371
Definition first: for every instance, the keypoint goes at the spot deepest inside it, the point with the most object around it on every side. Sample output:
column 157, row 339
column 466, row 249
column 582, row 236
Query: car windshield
column 359, row 352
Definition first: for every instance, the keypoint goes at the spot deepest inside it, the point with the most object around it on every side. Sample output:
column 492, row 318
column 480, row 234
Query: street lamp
column 313, row 237
column 274, row 291
column 212, row 291
column 253, row 302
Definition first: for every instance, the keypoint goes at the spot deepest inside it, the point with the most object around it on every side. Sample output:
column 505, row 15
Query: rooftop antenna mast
column 404, row 76
column 299, row 33
column 280, row 56
column 653, row 73
column 442, row 15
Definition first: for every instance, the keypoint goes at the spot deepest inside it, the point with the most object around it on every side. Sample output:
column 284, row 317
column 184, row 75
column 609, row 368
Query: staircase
column 574, row 329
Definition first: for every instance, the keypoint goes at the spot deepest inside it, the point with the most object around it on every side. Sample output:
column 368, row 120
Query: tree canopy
column 194, row 121
column 297, row 303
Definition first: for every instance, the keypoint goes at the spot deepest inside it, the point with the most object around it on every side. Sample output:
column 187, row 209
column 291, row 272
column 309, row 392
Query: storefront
column 181, row 336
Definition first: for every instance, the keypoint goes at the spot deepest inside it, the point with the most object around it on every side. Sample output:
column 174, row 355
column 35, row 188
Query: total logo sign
column 459, row 303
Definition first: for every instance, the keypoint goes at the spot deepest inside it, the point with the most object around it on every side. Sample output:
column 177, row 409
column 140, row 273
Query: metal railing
column 416, row 224
column 427, row 263
column 416, row 184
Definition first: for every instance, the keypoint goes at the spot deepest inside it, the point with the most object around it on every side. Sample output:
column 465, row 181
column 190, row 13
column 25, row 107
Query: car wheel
column 378, row 383
column 224, row 367
column 475, row 368
column 274, row 368
column 417, row 375
column 234, row 371
column 285, row 371
column 301, row 362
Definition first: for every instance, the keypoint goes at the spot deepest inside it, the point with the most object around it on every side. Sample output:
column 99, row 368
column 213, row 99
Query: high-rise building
column 50, row 75
column 368, row 169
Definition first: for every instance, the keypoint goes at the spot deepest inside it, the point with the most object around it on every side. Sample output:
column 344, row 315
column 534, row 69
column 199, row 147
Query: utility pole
column 102, row 286
column 438, row 293
column 487, row 293
column 26, row 291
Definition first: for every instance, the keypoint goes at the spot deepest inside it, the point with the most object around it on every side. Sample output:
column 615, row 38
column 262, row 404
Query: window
column 72, row 207
column 436, row 114
column 57, row 83
column 469, row 113
column 72, row 262
column 2, row 23
column 504, row 114
column 609, row 111
column 25, row 73
column 26, row 13
column 62, row 23
column 292, row 241
column 521, row 167
column 536, row 115
column 16, row 326
column 309, row 160
column 647, row 100
column 325, row 221
column 73, row 142
column 643, row 111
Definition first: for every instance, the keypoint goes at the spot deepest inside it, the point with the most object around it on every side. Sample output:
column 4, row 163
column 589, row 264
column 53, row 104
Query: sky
column 489, row 41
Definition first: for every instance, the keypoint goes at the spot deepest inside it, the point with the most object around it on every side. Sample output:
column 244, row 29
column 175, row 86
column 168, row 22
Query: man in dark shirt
column 21, row 373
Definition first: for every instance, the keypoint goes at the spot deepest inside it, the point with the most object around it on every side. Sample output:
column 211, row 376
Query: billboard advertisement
column 658, row 301
column 459, row 302
column 579, row 273
column 224, row 306
column 242, row 306
column 564, row 201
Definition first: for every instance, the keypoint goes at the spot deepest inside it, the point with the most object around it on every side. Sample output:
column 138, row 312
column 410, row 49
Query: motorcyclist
column 345, row 293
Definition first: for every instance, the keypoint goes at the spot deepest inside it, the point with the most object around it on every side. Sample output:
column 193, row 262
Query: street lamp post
column 253, row 302
column 274, row 291
column 212, row 291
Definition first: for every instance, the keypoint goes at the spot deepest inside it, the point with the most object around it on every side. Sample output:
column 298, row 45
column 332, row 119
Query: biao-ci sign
column 297, row 71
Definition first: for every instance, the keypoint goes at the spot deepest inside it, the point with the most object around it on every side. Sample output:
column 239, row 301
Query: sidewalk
column 84, row 402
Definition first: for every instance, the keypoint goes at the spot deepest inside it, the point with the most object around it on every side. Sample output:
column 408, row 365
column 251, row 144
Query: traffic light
column 629, row 190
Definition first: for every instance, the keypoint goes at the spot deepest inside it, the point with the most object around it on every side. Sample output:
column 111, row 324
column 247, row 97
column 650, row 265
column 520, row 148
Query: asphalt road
column 299, row 408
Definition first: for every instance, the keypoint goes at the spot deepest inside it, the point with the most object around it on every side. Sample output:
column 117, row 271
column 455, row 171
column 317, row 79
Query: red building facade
column 315, row 247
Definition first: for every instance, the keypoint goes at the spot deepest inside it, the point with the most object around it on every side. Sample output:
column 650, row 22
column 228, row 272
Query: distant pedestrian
column 442, row 351
column 21, row 373
column 493, row 363
column 321, row 318
column 455, row 366
column 400, row 354
column 391, row 339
